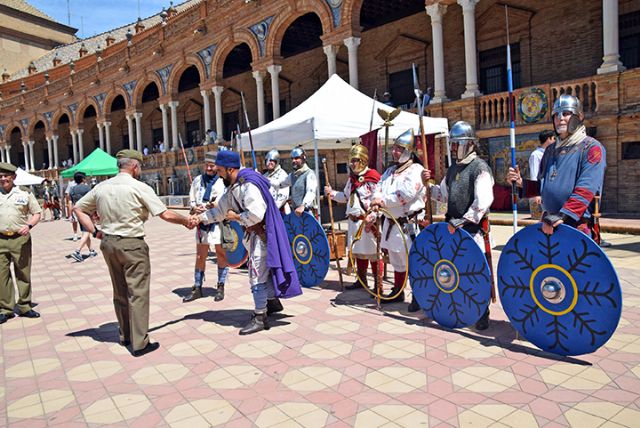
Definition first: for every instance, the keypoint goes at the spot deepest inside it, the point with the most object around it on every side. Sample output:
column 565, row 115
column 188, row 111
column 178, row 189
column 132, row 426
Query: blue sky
column 98, row 16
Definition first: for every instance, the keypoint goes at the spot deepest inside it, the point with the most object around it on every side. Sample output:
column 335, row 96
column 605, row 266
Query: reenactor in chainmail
column 467, row 189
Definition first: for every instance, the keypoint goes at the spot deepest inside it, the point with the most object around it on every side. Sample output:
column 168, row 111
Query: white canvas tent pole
column 317, row 163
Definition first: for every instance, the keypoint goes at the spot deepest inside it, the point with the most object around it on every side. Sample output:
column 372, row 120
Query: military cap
column 7, row 167
column 210, row 157
column 131, row 154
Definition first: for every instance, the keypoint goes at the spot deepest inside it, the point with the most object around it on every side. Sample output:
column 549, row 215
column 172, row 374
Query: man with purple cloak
column 248, row 201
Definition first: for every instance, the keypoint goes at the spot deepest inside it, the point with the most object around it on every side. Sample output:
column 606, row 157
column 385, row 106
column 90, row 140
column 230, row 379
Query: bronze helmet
column 360, row 152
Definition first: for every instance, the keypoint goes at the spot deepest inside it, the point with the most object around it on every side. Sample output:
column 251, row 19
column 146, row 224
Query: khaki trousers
column 18, row 251
column 130, row 269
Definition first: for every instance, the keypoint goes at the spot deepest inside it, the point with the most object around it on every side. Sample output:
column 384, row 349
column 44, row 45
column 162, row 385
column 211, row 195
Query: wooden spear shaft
column 334, row 241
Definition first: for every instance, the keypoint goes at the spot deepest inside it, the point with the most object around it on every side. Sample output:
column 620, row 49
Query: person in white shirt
column 400, row 191
column 546, row 138
column 207, row 189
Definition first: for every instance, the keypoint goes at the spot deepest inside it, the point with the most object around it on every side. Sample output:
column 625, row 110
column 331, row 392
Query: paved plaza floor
column 331, row 359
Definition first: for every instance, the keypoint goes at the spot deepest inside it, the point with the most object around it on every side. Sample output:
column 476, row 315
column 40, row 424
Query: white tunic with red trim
column 402, row 193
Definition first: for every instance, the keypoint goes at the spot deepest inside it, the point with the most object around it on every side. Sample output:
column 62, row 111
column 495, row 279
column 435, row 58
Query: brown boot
column 258, row 323
column 219, row 293
column 195, row 294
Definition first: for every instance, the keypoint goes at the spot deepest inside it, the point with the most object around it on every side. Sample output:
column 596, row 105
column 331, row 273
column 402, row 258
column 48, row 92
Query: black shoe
column 195, row 294
column 220, row 294
column 5, row 317
column 125, row 343
column 398, row 298
column 413, row 306
column 274, row 306
column 149, row 348
column 604, row 244
column 258, row 323
column 30, row 314
column 483, row 323
column 356, row 285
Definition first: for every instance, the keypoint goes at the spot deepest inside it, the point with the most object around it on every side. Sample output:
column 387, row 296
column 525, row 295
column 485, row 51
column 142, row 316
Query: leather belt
column 9, row 235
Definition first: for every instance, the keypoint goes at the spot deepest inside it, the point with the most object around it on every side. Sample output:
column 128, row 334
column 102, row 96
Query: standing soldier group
column 571, row 175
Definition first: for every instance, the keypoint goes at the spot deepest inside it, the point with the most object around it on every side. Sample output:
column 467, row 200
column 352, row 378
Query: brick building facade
column 180, row 72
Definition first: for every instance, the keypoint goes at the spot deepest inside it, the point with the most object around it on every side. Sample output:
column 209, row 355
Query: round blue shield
column 449, row 276
column 238, row 255
column 559, row 291
column 310, row 248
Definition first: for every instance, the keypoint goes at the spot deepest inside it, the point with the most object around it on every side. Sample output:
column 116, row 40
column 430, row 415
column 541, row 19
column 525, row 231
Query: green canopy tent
column 98, row 162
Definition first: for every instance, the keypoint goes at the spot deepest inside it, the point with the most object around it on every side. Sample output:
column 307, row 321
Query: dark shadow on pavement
column 184, row 291
column 105, row 333
column 227, row 317
column 500, row 333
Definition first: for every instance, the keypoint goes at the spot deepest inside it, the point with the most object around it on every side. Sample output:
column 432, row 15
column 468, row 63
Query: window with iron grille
column 629, row 33
column 493, row 69
column 401, row 87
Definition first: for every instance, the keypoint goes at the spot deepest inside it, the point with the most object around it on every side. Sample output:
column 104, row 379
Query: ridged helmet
column 360, row 152
column 566, row 102
column 406, row 140
column 298, row 152
column 464, row 137
column 272, row 155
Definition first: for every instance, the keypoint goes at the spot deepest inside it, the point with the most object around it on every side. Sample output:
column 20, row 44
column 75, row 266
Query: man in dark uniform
column 15, row 244
column 124, row 204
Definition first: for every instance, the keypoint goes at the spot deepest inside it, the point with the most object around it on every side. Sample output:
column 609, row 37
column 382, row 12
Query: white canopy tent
column 335, row 112
column 331, row 118
column 23, row 178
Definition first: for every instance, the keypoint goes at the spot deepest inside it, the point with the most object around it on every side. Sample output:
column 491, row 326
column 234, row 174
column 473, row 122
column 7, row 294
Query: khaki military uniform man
column 15, row 244
column 124, row 204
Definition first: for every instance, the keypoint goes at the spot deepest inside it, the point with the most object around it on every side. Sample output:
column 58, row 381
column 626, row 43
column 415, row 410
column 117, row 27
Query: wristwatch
column 30, row 226
column 95, row 232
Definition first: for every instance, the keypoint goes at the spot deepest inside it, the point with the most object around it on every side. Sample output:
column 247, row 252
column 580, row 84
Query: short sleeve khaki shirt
column 15, row 208
column 123, row 204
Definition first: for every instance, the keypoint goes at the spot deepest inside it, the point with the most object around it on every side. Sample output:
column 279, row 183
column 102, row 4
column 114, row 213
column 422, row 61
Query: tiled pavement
column 331, row 360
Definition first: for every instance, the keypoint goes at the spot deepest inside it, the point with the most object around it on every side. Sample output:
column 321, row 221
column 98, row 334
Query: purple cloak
column 279, row 256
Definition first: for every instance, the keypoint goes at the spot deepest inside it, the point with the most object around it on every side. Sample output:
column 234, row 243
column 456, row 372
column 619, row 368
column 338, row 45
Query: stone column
column 611, row 59
column 217, row 96
column 7, row 155
column 352, row 44
column 207, row 112
column 331, row 51
column 274, row 70
column 436, row 11
column 50, row 151
column 107, row 135
column 470, row 57
column 74, row 139
column 100, row 126
column 130, row 128
column 31, row 155
column 2, row 155
column 56, row 159
column 25, row 146
column 173, row 105
column 138, row 116
column 259, row 76
column 165, row 128
column 80, row 143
